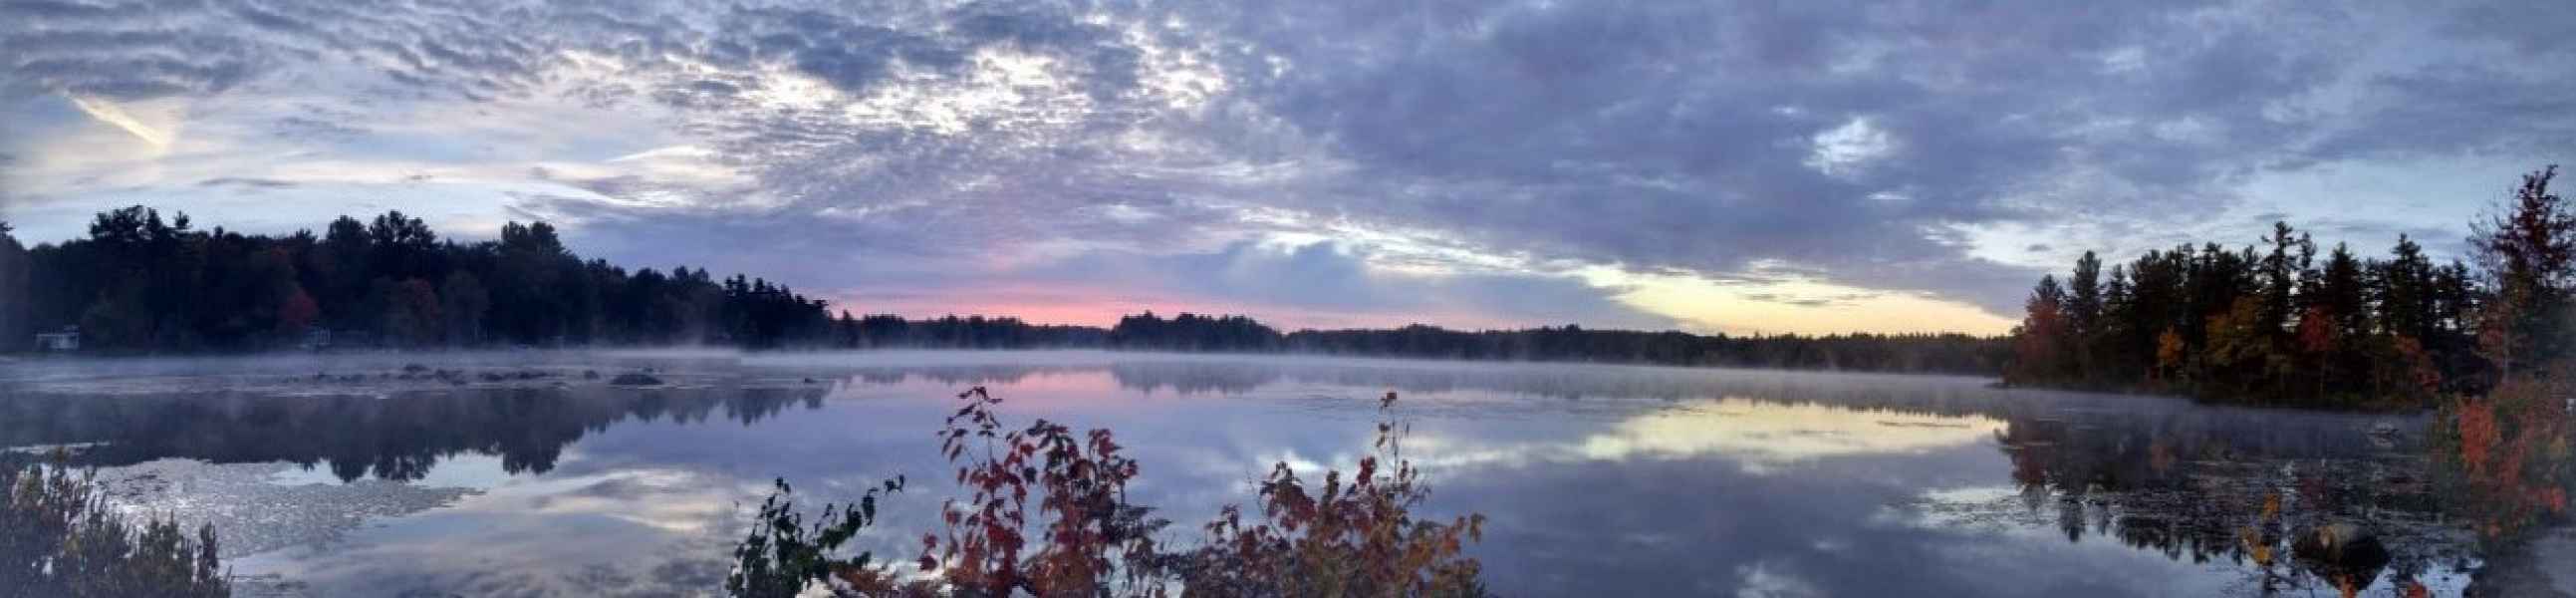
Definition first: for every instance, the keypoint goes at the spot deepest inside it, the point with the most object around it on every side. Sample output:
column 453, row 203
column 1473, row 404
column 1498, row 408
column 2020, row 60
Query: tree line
column 139, row 283
column 1912, row 353
column 1189, row 332
column 2275, row 322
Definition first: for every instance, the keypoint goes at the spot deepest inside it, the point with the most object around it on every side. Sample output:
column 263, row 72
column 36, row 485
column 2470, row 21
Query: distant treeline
column 1188, row 332
column 142, row 284
column 1951, row 353
column 2277, row 323
column 1917, row 353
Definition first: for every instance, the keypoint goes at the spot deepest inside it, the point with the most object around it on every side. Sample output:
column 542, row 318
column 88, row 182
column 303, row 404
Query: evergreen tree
column 2084, row 312
column 462, row 303
column 2284, row 325
column 2281, row 269
column 16, row 300
column 2040, row 354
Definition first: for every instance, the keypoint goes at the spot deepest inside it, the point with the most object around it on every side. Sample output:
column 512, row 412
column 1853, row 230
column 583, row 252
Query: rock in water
column 635, row 380
column 2342, row 551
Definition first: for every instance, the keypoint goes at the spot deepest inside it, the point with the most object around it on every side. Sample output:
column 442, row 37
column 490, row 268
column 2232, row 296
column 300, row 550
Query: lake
column 520, row 475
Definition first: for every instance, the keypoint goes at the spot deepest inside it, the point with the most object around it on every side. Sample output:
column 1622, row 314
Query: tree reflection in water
column 2298, row 502
column 395, row 437
column 2235, row 488
column 2196, row 483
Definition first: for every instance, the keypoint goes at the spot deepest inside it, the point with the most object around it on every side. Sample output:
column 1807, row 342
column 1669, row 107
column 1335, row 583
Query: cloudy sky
column 1711, row 166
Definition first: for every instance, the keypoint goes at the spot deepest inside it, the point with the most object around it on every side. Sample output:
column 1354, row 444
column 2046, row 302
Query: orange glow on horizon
column 1693, row 305
column 1093, row 307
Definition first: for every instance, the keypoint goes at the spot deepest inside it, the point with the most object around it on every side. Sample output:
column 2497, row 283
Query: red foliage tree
column 2510, row 453
column 297, row 312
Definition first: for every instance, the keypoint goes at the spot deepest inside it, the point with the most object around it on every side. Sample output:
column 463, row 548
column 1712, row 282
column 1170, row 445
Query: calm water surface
column 342, row 477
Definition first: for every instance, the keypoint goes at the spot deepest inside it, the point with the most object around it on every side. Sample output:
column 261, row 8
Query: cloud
column 255, row 183
column 115, row 116
column 1332, row 277
column 1812, row 301
column 1476, row 152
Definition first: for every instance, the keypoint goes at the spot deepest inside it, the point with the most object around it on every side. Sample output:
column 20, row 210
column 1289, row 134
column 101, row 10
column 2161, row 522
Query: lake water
column 348, row 476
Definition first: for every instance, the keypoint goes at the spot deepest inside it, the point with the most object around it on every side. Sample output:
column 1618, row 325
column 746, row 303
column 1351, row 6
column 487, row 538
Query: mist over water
column 527, row 473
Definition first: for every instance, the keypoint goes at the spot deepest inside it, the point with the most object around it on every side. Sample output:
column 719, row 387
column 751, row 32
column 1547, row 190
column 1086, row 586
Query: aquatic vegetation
column 59, row 538
column 1354, row 538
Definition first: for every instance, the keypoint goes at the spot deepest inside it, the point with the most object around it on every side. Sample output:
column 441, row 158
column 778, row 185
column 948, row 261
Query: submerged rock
column 635, row 380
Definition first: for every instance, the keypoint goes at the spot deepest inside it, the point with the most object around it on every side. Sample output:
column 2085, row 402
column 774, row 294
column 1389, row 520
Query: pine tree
column 2083, row 312
column 16, row 297
column 2040, row 350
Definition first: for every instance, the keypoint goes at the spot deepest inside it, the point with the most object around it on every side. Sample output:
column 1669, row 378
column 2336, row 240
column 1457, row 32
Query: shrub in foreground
column 1349, row 537
column 2505, row 460
column 59, row 538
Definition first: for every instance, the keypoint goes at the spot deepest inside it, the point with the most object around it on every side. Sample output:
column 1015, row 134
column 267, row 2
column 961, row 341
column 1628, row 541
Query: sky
column 1738, row 167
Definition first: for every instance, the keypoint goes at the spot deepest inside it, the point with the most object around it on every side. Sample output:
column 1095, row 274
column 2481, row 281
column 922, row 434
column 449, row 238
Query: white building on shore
column 67, row 341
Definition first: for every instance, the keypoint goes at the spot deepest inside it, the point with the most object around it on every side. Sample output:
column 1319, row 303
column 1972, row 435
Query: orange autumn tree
column 2511, row 464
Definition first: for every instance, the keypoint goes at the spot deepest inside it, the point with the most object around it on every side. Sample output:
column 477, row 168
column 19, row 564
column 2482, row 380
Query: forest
column 143, row 284
column 2483, row 343
column 2275, row 322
